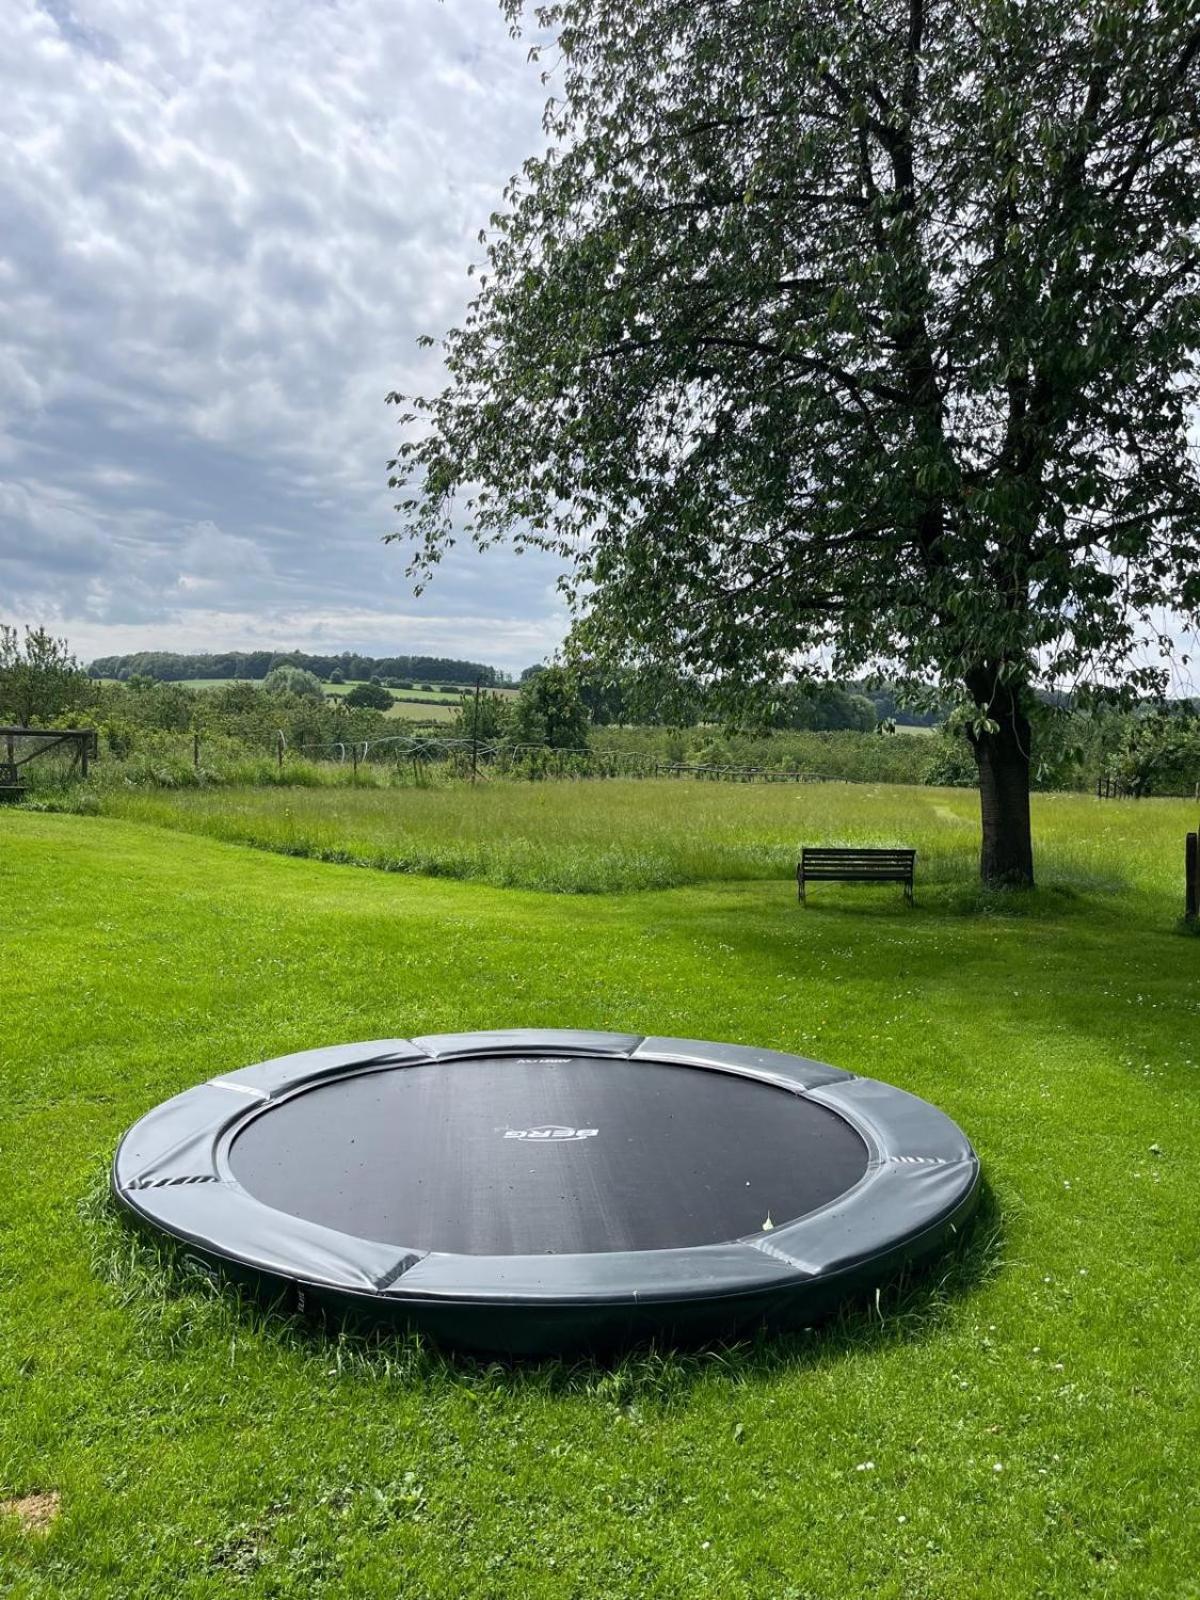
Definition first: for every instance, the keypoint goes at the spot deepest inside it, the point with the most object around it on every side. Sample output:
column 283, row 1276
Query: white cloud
column 222, row 228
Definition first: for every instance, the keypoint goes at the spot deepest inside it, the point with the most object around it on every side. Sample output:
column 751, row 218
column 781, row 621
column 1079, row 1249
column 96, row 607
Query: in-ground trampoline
column 527, row 1192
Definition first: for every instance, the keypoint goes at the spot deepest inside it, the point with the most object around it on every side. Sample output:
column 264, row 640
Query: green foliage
column 1159, row 754
column 294, row 680
column 864, row 333
column 951, row 761
column 371, row 695
column 857, row 757
column 167, row 666
column 801, row 705
column 40, row 680
column 488, row 719
column 549, row 711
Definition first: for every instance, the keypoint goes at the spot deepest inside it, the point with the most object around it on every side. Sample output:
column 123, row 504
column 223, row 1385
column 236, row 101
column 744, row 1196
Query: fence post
column 279, row 749
column 196, row 751
column 1192, row 877
column 354, row 758
column 475, row 736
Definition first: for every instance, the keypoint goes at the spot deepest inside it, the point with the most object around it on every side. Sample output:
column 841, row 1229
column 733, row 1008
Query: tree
column 848, row 331
column 548, row 711
column 486, row 718
column 294, row 680
column 40, row 680
column 371, row 695
column 1160, row 753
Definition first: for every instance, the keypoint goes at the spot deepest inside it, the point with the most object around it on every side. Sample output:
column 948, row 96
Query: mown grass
column 617, row 835
column 1023, row 1422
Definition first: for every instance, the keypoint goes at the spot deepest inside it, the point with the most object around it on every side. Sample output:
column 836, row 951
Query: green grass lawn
column 1023, row 1423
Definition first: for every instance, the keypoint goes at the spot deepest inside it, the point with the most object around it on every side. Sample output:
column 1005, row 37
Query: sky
column 223, row 226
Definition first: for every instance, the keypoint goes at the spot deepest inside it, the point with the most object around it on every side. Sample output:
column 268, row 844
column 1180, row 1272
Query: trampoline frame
column 171, row 1172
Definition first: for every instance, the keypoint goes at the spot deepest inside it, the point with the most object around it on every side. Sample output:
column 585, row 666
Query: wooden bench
column 855, row 864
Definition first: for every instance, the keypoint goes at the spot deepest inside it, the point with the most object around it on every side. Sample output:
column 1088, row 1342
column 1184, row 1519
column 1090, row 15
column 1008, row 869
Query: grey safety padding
column 271, row 1241
column 178, row 1139
column 892, row 1204
column 773, row 1066
column 641, row 1276
column 542, row 1041
column 900, row 1124
column 285, row 1073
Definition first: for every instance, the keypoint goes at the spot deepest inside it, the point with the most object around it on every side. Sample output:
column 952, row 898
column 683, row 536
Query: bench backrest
column 852, row 862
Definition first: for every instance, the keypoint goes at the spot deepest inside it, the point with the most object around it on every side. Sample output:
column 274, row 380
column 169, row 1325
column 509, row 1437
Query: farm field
column 1025, row 1422
column 411, row 705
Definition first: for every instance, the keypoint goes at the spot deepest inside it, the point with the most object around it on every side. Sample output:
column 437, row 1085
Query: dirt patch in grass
column 35, row 1512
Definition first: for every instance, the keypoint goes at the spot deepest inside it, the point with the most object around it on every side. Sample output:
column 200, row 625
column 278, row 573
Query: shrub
column 373, row 696
column 294, row 680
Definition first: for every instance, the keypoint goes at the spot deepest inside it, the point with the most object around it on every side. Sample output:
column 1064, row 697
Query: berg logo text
column 550, row 1132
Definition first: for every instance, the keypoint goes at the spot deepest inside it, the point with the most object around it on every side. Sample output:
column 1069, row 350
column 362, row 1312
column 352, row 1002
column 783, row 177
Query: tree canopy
column 850, row 332
column 40, row 680
column 294, row 680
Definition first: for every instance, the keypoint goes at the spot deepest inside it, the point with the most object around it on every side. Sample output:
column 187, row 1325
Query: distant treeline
column 168, row 667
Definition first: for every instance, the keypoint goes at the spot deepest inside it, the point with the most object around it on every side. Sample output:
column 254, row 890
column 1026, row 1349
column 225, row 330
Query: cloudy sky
column 223, row 226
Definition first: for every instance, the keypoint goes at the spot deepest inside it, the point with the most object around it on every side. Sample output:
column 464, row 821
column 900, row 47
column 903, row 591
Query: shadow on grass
column 180, row 1311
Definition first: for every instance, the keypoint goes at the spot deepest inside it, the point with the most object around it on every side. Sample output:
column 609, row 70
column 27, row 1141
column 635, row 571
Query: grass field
column 1024, row 1423
column 616, row 835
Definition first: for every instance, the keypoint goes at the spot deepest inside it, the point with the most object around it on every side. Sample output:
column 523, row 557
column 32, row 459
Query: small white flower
column 998, row 1466
column 865, row 1466
column 901, row 1519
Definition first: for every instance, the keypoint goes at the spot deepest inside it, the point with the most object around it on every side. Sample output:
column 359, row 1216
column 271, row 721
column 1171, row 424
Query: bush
column 951, row 761
column 294, row 680
column 550, row 712
column 372, row 696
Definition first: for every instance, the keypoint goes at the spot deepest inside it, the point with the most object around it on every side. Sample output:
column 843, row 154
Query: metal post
column 279, row 748
column 475, row 736
column 1192, row 877
column 354, row 758
column 196, row 751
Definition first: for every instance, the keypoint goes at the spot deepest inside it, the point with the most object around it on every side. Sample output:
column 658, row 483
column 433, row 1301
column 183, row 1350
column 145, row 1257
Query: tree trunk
column 1003, row 759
